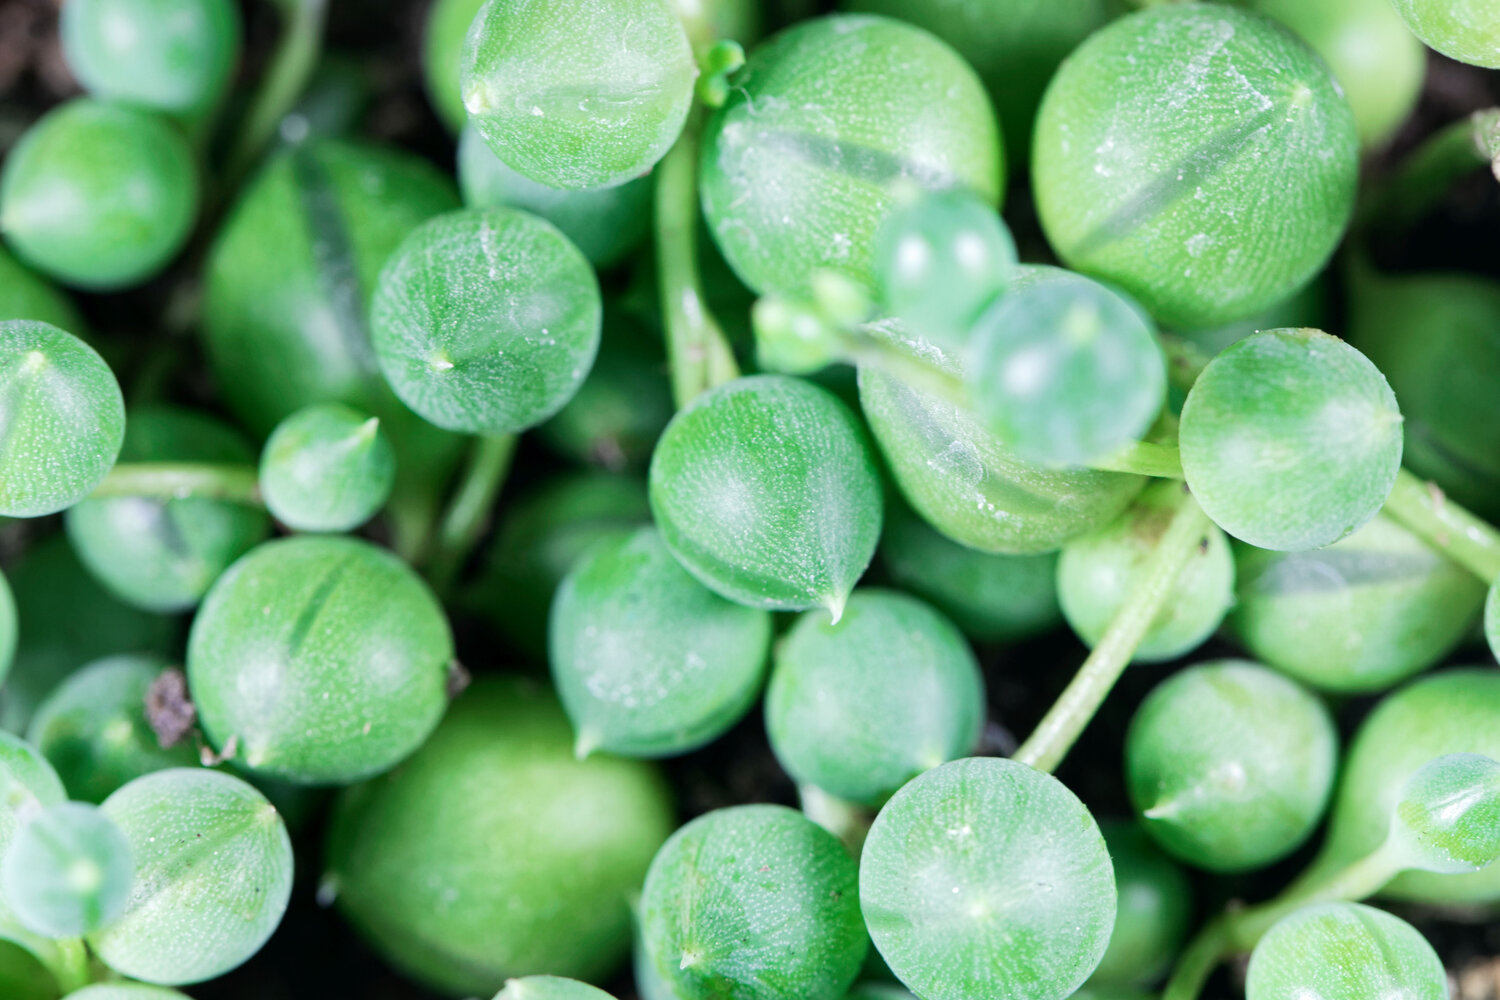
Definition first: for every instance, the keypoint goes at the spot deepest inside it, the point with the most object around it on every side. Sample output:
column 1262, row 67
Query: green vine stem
column 1239, row 930
column 181, row 480
column 1145, row 458
column 848, row 821
column 1065, row 721
column 1468, row 540
column 291, row 67
column 468, row 511
column 71, row 968
column 697, row 349
column 1426, row 175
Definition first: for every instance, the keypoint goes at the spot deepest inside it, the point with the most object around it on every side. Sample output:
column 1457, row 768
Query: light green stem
column 1239, row 930
column 1065, row 721
column 1145, row 458
column 1468, row 540
column 469, row 511
column 697, row 350
column 848, row 821
column 291, row 67
column 182, row 480
column 71, row 970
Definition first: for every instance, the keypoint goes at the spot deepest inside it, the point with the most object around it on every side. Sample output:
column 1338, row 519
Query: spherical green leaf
column 1344, row 951
column 1098, row 572
column 27, row 295
column 171, row 55
column 578, row 93
column 62, row 419
column 993, row 598
column 486, row 321
column 99, row 195
column 93, row 727
column 1151, row 153
column 550, row 988
column 1309, row 307
column 965, row 482
column 1456, row 711
column 163, row 555
column 67, row 872
column 1360, row 615
column 1066, row 371
column 23, row 976
column 53, row 594
column 1230, row 765
column 1433, row 337
column 538, row 540
column 753, row 902
column 606, row 224
column 1155, row 905
column 27, row 784
column 860, row 707
column 1015, row 48
column 327, row 467
column 1466, row 30
column 828, row 124
column 7, row 628
column 1448, row 819
column 442, row 56
column 766, row 490
column 1291, row 439
column 648, row 661
column 125, row 991
column 493, row 852
column 986, row 878
column 319, row 660
column 940, row 260
column 1377, row 62
column 213, row 873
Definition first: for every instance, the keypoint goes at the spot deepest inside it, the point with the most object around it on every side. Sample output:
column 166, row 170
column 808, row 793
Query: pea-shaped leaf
column 940, row 260
column 1359, row 615
column 62, row 419
column 98, row 194
column 327, row 467
column 827, row 125
column 125, row 991
column 319, row 660
column 538, row 540
column 550, row 988
column 1378, row 955
column 859, row 707
column 647, row 660
column 993, row 598
column 213, row 873
column 24, row 294
column 160, row 554
column 494, row 853
column 753, row 903
column 171, row 55
column 1065, row 370
column 27, row 784
column 1291, row 439
column 1155, row 905
column 967, row 483
column 987, row 878
column 765, row 489
column 578, row 93
column 1150, row 157
column 604, row 223
column 1466, row 30
column 1448, row 819
column 67, row 872
column 93, row 727
column 1097, row 573
column 486, row 321
column 1452, row 712
column 7, row 628
column 1377, row 62
column 1230, row 765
